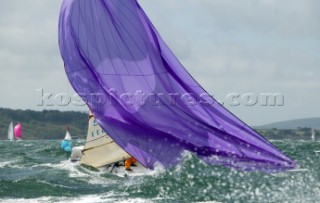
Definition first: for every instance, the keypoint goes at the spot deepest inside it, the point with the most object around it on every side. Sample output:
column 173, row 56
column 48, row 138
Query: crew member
column 129, row 162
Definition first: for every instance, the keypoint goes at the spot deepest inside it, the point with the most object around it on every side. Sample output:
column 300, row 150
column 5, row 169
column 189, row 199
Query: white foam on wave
column 64, row 165
column 6, row 163
column 92, row 177
column 81, row 199
column 85, row 199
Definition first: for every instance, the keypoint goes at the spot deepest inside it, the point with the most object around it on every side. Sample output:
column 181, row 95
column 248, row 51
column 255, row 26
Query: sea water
column 38, row 171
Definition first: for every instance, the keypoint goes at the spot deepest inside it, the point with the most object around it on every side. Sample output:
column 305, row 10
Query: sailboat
column 18, row 132
column 102, row 153
column 10, row 132
column 313, row 134
column 66, row 143
column 143, row 97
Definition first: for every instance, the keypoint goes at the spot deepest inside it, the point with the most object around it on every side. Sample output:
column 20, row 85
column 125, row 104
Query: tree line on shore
column 46, row 124
column 51, row 125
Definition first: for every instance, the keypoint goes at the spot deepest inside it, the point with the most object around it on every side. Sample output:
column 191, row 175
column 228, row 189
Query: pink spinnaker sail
column 18, row 131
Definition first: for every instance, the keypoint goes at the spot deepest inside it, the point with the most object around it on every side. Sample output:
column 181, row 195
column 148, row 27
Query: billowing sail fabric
column 144, row 98
column 18, row 131
column 66, row 145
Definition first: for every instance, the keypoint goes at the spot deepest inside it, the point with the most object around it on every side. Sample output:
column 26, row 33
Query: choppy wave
column 37, row 171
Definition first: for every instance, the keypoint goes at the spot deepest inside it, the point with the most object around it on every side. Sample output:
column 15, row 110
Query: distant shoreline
column 51, row 125
column 44, row 125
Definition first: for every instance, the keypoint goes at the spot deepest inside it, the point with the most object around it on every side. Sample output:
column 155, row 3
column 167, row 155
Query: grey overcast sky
column 229, row 46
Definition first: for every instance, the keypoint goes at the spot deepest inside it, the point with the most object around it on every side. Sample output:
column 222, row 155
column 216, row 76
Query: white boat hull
column 118, row 170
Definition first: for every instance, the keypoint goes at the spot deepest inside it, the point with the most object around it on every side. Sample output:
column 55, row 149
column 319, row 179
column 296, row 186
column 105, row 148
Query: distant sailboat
column 18, row 131
column 313, row 134
column 68, row 136
column 10, row 132
column 66, row 143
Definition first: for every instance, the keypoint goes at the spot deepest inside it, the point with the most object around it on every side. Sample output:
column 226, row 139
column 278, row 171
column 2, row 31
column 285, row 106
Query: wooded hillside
column 44, row 124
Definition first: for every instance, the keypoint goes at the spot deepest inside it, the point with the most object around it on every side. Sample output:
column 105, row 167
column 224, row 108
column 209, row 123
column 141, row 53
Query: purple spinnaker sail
column 144, row 98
